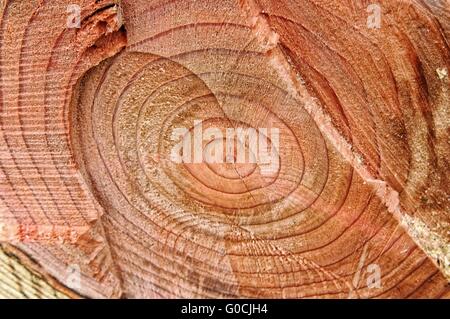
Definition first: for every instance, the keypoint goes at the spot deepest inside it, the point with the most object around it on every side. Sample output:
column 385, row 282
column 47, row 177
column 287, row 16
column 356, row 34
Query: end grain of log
column 197, row 149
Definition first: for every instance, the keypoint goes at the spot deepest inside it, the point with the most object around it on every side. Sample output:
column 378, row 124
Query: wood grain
column 22, row 277
column 363, row 114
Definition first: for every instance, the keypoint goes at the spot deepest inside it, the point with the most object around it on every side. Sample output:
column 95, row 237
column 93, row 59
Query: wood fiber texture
column 21, row 278
column 86, row 122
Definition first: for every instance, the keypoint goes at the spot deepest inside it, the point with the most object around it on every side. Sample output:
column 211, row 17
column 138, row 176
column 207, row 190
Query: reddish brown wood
column 86, row 120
